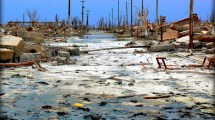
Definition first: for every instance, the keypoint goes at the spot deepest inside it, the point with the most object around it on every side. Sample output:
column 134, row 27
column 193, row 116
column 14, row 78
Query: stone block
column 64, row 54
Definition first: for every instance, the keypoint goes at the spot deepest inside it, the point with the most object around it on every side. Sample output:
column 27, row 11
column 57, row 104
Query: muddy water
column 30, row 94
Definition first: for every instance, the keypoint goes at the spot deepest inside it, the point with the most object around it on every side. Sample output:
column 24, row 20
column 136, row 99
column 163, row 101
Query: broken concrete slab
column 14, row 43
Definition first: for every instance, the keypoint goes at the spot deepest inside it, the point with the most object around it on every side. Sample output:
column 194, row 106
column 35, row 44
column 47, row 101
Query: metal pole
column 118, row 15
column 69, row 16
column 157, row 17
column 191, row 25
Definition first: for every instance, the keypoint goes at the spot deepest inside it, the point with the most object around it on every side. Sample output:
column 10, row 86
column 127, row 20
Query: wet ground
column 110, row 85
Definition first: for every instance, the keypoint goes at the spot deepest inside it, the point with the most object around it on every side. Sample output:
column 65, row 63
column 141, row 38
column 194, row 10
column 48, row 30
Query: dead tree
column 101, row 23
column 75, row 22
column 33, row 15
column 143, row 15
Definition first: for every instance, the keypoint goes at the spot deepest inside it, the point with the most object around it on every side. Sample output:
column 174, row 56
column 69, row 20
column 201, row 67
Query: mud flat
column 111, row 84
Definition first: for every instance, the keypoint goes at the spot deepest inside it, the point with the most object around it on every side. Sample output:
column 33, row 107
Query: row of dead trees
column 106, row 24
column 34, row 17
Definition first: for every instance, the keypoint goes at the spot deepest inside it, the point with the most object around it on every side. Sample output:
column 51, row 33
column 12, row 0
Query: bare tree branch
column 33, row 15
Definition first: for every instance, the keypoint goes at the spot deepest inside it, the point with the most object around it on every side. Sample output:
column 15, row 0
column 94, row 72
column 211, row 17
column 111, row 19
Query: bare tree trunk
column 157, row 17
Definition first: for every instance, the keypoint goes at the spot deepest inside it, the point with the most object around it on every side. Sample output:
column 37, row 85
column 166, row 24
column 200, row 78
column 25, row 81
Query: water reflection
column 92, row 37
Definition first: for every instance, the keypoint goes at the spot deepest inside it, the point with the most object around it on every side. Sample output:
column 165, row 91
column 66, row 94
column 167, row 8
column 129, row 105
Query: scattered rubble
column 114, row 79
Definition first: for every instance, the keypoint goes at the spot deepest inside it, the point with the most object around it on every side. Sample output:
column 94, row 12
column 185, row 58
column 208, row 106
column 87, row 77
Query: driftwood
column 156, row 97
column 125, row 47
column 29, row 63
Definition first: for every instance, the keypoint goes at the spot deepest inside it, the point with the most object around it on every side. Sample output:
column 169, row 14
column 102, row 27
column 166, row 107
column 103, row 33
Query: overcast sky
column 47, row 9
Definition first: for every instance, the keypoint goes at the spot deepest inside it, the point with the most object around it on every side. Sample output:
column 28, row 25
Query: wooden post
column 191, row 26
column 161, row 29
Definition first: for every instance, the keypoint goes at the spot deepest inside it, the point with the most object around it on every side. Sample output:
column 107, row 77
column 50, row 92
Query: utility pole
column 157, row 17
column 191, row 26
column 142, row 7
column 131, row 15
column 68, row 16
column 87, row 23
column 118, row 15
column 127, row 13
column 112, row 18
column 82, row 20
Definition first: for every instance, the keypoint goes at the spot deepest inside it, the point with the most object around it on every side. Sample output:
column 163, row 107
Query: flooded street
column 110, row 84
